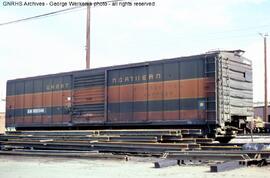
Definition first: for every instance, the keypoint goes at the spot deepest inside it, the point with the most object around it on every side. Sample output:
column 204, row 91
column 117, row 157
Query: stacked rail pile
column 119, row 141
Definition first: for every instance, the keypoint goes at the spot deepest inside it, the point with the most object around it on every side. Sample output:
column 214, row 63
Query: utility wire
column 68, row 10
column 39, row 16
column 78, row 8
column 48, row 14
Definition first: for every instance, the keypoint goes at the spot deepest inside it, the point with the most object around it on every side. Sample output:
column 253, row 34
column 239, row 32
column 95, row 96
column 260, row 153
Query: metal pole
column 88, row 38
column 265, row 82
column 265, row 113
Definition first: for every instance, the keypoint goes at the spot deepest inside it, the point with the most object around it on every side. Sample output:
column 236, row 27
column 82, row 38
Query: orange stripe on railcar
column 34, row 100
column 176, row 89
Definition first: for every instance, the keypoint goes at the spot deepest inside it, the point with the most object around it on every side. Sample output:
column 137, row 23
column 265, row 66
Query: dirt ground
column 41, row 167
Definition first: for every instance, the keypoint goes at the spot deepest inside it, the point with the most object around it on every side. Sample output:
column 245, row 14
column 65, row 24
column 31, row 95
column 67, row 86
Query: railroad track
column 266, row 136
column 217, row 155
column 151, row 142
column 171, row 146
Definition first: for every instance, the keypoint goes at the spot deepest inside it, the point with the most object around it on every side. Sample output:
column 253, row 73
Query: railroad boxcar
column 212, row 91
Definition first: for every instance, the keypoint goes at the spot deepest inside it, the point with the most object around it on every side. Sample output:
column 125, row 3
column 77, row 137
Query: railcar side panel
column 41, row 101
column 209, row 89
column 165, row 91
column 88, row 98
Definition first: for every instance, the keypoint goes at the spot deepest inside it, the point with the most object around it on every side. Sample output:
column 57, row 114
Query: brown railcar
column 212, row 91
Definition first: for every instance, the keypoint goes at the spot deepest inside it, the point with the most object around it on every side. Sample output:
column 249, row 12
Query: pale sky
column 121, row 35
